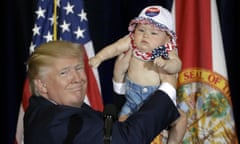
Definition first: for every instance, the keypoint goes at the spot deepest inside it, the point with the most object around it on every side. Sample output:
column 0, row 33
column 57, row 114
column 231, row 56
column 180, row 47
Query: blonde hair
column 45, row 54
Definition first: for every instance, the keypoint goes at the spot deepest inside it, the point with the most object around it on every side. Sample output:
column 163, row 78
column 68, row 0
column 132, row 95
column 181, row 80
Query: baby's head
column 157, row 16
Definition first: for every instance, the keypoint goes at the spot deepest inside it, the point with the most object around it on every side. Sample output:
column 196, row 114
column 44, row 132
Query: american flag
column 62, row 20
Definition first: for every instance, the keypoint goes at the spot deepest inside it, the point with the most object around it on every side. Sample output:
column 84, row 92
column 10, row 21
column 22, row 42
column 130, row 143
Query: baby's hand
column 160, row 62
column 94, row 62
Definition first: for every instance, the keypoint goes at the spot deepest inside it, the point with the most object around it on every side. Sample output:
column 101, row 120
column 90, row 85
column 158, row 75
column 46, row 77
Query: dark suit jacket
column 47, row 123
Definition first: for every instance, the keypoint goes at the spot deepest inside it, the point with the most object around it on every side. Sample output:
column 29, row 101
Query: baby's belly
column 144, row 78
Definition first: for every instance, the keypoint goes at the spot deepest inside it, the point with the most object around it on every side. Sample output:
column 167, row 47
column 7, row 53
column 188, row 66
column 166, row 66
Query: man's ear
column 41, row 86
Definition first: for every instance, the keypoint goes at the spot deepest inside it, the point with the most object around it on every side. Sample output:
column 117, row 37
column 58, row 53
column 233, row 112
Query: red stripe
column 26, row 94
column 193, row 27
column 93, row 92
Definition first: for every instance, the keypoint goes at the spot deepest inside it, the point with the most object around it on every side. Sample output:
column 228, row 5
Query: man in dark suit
column 57, row 113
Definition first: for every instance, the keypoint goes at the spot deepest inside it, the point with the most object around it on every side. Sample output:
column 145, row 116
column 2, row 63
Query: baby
column 152, row 45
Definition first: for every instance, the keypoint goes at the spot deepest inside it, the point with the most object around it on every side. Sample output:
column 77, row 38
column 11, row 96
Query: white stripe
column 19, row 130
column 173, row 11
column 218, row 56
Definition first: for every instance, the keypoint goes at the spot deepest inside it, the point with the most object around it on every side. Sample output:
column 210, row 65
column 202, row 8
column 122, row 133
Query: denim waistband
column 138, row 87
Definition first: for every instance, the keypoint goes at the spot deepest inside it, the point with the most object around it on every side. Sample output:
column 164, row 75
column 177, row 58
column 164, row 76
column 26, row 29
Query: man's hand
column 166, row 77
column 160, row 62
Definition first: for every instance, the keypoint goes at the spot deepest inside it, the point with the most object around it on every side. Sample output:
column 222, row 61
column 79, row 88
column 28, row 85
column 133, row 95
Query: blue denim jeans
column 135, row 96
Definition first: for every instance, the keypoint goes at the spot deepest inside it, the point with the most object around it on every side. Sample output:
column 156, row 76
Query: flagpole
column 55, row 21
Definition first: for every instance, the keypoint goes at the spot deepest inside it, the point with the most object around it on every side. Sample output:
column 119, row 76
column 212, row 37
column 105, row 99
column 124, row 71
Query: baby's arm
column 110, row 51
column 119, row 72
column 172, row 65
column 121, row 66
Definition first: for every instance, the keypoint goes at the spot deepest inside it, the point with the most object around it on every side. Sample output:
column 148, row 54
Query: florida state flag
column 203, row 91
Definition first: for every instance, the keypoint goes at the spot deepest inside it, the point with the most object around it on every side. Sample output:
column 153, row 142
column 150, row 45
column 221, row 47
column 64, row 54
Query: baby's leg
column 122, row 118
column 178, row 129
column 125, row 112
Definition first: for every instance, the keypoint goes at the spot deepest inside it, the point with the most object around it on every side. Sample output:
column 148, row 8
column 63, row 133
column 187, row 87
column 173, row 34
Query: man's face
column 66, row 82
